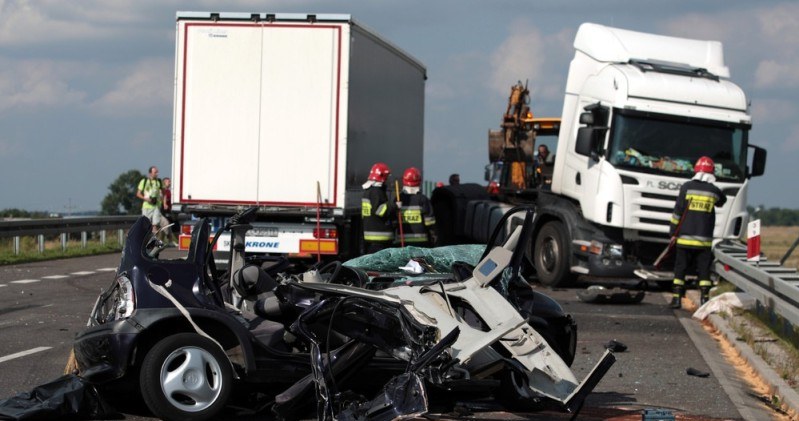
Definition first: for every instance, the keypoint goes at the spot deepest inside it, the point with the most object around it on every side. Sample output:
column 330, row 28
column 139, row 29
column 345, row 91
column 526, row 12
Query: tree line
column 774, row 216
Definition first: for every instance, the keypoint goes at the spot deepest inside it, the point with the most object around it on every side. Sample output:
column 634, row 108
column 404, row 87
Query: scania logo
column 664, row 185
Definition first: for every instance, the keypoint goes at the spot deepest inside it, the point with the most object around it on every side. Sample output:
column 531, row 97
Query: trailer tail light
column 186, row 229
column 325, row 233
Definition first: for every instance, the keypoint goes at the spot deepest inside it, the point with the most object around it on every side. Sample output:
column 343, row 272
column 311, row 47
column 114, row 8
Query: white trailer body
column 288, row 112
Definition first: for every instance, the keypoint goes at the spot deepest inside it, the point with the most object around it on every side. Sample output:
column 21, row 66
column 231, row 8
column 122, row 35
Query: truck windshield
column 661, row 144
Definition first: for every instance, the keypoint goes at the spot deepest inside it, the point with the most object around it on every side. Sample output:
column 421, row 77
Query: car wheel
column 551, row 255
column 186, row 377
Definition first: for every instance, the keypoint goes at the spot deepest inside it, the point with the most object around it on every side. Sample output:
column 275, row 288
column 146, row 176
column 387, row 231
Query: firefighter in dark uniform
column 418, row 220
column 695, row 215
column 376, row 211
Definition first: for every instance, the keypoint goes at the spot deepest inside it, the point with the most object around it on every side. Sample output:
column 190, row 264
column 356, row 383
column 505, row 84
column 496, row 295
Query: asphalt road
column 43, row 305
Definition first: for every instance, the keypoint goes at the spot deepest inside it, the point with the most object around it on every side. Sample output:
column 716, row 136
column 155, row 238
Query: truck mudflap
column 575, row 400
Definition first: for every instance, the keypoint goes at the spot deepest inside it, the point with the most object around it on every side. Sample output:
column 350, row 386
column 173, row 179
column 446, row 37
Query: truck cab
column 639, row 110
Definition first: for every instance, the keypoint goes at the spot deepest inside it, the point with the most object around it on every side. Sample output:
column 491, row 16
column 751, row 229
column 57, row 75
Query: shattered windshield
column 664, row 145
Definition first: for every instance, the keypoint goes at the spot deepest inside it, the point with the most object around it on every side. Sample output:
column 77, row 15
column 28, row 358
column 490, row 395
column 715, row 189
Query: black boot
column 705, row 294
column 677, row 293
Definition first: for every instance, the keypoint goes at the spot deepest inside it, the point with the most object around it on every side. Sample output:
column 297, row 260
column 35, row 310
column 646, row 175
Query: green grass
column 29, row 248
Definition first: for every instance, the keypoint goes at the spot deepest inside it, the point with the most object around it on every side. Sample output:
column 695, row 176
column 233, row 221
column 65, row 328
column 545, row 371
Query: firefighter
column 417, row 213
column 376, row 211
column 692, row 222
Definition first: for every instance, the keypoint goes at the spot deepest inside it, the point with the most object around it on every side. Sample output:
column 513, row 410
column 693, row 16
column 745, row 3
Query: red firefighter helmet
column 412, row 177
column 704, row 164
column 379, row 172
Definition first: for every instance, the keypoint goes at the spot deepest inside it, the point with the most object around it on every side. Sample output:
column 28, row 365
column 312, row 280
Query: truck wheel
column 551, row 255
column 186, row 377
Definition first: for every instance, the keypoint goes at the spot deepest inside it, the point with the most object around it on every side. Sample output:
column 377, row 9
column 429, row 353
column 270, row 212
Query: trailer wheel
column 186, row 377
column 551, row 255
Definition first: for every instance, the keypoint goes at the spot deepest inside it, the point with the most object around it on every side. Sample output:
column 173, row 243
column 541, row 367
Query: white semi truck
column 639, row 110
column 288, row 112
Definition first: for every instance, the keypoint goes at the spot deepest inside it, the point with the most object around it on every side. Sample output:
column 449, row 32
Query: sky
column 86, row 86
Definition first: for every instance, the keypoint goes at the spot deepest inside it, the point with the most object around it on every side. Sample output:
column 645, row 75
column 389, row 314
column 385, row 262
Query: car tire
column 186, row 377
column 551, row 255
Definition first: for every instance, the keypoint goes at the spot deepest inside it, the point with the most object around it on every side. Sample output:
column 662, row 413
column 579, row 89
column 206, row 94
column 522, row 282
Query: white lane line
column 55, row 277
column 24, row 353
column 85, row 272
column 3, row 285
column 107, row 270
column 26, row 281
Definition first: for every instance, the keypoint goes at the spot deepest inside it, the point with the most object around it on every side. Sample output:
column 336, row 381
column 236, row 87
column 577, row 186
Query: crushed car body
column 358, row 346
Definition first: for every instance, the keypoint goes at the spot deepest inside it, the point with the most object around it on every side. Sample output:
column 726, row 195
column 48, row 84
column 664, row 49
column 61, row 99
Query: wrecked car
column 329, row 337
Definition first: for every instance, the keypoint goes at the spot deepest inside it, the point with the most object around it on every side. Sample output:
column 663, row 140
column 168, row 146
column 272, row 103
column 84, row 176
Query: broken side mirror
column 758, row 161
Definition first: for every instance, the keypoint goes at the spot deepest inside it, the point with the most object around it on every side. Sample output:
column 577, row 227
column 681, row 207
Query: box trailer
column 288, row 112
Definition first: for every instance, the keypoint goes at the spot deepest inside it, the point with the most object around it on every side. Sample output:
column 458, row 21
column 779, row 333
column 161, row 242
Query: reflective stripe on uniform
column 366, row 207
column 412, row 216
column 694, row 241
column 705, row 283
column 678, row 282
column 700, row 201
column 381, row 210
column 378, row 236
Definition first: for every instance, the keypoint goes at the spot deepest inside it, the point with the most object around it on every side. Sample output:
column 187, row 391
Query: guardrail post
column 63, row 241
column 102, row 237
column 83, row 239
column 119, row 238
column 41, row 243
column 16, row 246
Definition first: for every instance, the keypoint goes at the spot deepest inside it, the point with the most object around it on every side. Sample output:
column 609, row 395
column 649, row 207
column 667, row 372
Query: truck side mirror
column 587, row 118
column 758, row 161
column 588, row 141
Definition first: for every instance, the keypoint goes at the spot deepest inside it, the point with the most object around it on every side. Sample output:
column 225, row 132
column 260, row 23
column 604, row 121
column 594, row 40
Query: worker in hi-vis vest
column 377, row 212
column 692, row 223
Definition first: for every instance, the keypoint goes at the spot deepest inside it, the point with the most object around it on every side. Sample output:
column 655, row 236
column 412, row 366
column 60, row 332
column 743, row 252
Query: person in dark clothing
column 695, row 215
column 376, row 211
column 544, row 164
column 418, row 220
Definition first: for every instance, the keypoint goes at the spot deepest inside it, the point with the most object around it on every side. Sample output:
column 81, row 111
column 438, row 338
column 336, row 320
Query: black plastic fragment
column 698, row 373
column 615, row 346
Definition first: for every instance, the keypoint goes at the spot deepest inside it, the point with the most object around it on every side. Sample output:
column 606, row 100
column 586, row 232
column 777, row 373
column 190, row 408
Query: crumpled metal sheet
column 67, row 397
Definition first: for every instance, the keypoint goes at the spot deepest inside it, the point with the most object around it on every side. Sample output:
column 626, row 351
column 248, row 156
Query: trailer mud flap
column 575, row 401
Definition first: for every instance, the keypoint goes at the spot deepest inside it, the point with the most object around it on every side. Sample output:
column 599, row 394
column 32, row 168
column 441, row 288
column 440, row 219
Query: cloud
column 25, row 23
column 763, row 37
column 773, row 74
column 791, row 143
column 34, row 83
column 146, row 87
column 773, row 110
column 527, row 54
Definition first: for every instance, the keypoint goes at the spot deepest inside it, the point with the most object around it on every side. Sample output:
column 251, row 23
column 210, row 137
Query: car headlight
column 116, row 303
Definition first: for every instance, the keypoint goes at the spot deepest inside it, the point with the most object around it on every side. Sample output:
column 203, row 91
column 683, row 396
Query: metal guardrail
column 771, row 284
column 41, row 227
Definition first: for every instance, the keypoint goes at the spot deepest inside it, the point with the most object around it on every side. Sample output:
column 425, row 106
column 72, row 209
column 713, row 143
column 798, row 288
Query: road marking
column 25, row 281
column 55, row 277
column 24, row 353
column 107, row 270
column 85, row 272
column 3, row 285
